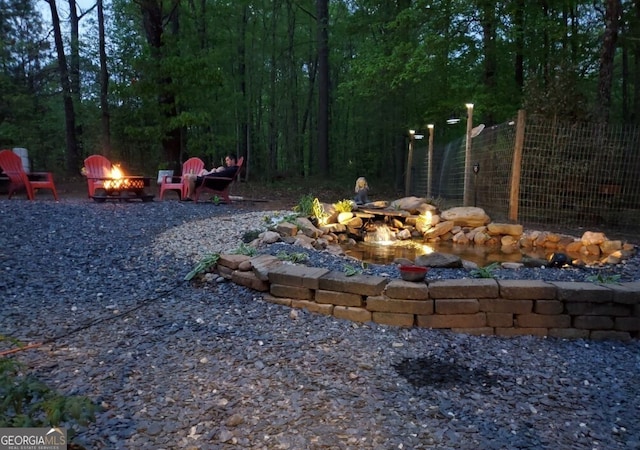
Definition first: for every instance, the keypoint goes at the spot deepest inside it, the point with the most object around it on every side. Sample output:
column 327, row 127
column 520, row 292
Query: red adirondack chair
column 96, row 166
column 220, row 186
column 19, row 179
column 178, row 183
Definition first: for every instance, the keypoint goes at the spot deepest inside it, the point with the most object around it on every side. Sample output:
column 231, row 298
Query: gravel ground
column 175, row 365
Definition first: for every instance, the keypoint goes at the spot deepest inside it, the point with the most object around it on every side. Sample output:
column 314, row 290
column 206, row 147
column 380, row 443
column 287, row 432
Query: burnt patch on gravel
column 433, row 372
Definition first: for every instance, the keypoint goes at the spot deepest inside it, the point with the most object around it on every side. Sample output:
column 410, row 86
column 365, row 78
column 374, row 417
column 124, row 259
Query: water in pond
column 379, row 253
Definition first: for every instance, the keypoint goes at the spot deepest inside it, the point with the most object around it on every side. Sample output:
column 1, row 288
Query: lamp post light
column 412, row 137
column 407, row 178
column 467, row 157
column 430, row 171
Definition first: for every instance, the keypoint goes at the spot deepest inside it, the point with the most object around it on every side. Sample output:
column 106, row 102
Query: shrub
column 305, row 205
column 295, row 257
column 205, row 264
column 310, row 206
column 343, row 206
column 486, row 271
column 28, row 402
column 604, row 279
column 250, row 236
column 244, row 249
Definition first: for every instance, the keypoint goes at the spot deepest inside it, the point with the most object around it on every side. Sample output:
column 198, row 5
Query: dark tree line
column 304, row 87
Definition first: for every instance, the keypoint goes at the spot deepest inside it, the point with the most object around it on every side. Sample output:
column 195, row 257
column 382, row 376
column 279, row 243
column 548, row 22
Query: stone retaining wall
column 472, row 306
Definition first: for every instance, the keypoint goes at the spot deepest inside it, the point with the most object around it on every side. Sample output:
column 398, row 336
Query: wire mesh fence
column 570, row 174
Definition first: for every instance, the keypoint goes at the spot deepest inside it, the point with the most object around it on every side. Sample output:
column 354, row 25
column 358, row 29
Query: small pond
column 383, row 253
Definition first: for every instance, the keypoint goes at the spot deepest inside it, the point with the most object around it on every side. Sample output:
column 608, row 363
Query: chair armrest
column 216, row 183
column 166, row 179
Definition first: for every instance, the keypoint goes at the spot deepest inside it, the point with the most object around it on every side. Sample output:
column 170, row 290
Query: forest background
column 301, row 88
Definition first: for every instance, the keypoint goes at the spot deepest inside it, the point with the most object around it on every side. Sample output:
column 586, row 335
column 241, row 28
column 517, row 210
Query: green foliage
column 310, row 206
column 294, row 257
column 305, row 205
column 291, row 218
column 205, row 264
column 28, row 402
column 350, row 270
column 244, row 249
column 272, row 220
column 486, row 271
column 187, row 79
column 604, row 279
column 216, row 200
column 250, row 236
column 343, row 206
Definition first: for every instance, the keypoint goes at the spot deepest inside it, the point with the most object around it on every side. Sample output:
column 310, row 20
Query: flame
column 116, row 172
column 116, row 181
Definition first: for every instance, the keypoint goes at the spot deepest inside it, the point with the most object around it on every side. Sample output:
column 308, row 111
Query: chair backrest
column 97, row 166
column 12, row 166
column 192, row 165
column 240, row 162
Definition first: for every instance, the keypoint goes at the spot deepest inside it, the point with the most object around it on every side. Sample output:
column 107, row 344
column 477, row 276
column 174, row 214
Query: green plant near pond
column 604, row 279
column 272, row 221
column 245, row 249
column 310, row 206
column 343, row 206
column 350, row 270
column 250, row 236
column 203, row 265
column 486, row 271
column 305, row 205
column 26, row 401
column 294, row 257
column 291, row 218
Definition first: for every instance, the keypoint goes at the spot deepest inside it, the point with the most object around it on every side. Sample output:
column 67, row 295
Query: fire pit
column 122, row 187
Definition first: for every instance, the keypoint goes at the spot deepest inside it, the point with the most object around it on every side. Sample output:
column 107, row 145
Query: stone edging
column 473, row 306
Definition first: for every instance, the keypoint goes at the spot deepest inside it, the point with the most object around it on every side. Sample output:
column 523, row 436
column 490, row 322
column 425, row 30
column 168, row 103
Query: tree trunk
column 71, row 154
column 272, row 130
column 323, row 86
column 243, row 140
column 74, row 67
column 104, row 86
column 488, row 21
column 607, row 54
column 519, row 43
column 635, row 117
column 293, row 141
column 152, row 19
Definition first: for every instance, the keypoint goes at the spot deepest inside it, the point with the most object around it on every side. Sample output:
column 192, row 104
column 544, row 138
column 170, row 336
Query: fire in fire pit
column 123, row 187
column 118, row 182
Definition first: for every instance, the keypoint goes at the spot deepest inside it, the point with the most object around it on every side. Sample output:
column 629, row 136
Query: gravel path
column 179, row 366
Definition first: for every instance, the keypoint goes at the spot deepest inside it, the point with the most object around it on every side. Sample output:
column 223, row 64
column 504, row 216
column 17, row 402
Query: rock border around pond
column 473, row 306
column 414, row 218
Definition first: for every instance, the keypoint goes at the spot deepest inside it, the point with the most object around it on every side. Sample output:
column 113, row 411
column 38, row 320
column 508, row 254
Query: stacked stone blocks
column 473, row 306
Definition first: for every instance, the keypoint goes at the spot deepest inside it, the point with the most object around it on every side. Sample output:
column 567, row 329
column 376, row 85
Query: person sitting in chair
column 229, row 170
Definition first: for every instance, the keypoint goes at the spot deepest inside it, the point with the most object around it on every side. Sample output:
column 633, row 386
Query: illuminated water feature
column 385, row 253
column 382, row 247
column 383, row 244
